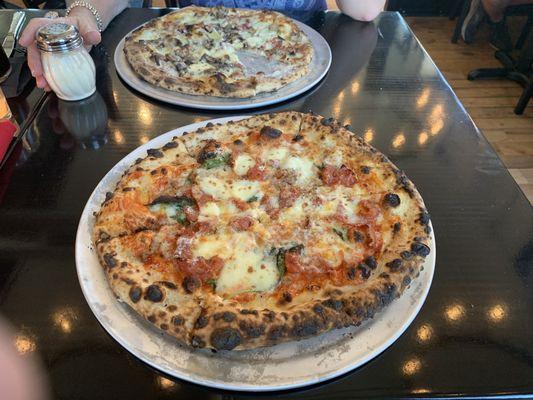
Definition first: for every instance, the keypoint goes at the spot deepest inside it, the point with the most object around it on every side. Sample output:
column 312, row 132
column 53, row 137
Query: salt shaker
column 67, row 66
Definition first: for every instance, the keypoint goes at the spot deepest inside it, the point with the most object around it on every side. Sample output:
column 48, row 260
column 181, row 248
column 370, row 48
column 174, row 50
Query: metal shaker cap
column 58, row 37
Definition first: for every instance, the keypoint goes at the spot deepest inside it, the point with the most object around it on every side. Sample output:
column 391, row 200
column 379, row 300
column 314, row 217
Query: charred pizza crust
column 148, row 283
column 170, row 53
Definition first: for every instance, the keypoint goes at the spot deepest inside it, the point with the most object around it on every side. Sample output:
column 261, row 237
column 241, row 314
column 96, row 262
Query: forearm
column 108, row 9
column 361, row 10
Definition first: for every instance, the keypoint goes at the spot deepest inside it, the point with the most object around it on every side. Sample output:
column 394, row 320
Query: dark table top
column 474, row 334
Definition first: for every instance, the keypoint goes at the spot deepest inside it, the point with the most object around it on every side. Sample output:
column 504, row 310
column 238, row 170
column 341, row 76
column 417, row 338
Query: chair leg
column 505, row 58
column 524, row 99
column 455, row 9
column 523, row 64
column 487, row 73
column 518, row 78
column 460, row 20
column 525, row 32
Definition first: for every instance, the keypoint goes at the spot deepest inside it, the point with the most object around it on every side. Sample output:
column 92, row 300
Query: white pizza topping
column 304, row 168
column 212, row 51
column 243, row 190
column 242, row 163
column 277, row 154
column 247, row 267
column 216, row 210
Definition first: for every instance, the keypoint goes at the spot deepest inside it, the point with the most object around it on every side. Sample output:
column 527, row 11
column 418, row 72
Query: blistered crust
column 203, row 320
column 152, row 294
column 331, row 308
column 217, row 84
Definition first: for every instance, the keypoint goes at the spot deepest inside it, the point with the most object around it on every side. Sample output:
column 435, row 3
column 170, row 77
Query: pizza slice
column 142, row 273
column 155, row 191
column 346, row 159
column 333, row 272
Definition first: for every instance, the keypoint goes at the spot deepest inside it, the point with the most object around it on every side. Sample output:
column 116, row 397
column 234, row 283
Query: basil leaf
column 216, row 162
column 174, row 207
column 280, row 263
column 252, row 199
column 212, row 282
column 180, row 217
column 181, row 204
column 341, row 233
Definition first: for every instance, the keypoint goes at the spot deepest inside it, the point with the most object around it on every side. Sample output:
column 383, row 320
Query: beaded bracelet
column 92, row 9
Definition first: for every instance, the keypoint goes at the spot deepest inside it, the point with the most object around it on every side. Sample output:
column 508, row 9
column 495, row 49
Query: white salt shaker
column 67, row 66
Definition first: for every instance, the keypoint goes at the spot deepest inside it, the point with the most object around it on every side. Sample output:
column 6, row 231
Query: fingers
column 36, row 68
column 88, row 30
column 27, row 39
column 92, row 37
column 28, row 35
column 41, row 83
column 34, row 60
column 86, row 24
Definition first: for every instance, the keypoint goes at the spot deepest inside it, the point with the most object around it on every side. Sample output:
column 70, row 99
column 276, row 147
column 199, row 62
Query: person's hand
column 80, row 17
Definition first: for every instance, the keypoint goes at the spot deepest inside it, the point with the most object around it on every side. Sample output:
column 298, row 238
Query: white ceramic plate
column 285, row 366
column 319, row 67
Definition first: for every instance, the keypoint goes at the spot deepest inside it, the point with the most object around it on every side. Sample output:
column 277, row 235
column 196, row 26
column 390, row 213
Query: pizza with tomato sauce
column 255, row 232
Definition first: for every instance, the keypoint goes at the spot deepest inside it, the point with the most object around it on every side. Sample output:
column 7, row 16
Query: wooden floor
column 490, row 103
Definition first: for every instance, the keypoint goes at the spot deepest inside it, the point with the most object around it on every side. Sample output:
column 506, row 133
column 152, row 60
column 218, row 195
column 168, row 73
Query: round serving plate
column 285, row 366
column 318, row 69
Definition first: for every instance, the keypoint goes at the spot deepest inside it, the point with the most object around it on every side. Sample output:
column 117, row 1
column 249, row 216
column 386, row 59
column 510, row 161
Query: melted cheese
column 242, row 164
column 262, row 32
column 214, row 35
column 255, row 41
column 219, row 52
column 304, row 168
column 243, row 190
column 330, row 247
column 329, row 142
column 284, row 30
column 220, row 210
column 189, row 18
column 198, row 68
column 294, row 214
column 335, row 158
column 165, row 208
column 339, row 200
column 148, row 34
column 246, row 267
column 403, row 209
column 141, row 182
column 276, row 154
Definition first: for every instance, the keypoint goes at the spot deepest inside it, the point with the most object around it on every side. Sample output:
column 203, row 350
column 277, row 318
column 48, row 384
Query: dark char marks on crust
column 242, row 328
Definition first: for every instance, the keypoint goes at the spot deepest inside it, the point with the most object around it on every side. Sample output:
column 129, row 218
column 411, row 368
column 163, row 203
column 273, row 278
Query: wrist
column 88, row 8
column 83, row 13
